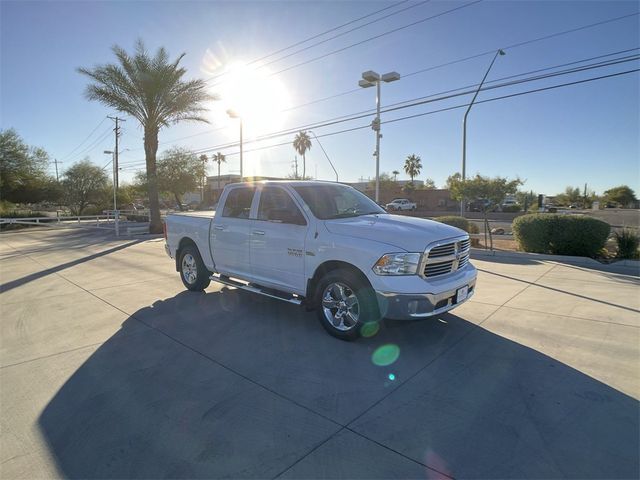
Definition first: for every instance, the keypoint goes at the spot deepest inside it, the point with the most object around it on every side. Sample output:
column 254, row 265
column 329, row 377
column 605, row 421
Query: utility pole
column 295, row 164
column 117, row 132
column 55, row 161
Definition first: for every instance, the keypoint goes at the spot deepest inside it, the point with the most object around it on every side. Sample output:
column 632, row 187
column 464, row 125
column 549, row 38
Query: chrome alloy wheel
column 189, row 269
column 340, row 306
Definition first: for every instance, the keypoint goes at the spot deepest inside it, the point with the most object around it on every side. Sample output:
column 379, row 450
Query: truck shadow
column 224, row 385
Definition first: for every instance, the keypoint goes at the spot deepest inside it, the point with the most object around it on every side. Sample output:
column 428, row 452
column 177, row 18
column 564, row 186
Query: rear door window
column 238, row 203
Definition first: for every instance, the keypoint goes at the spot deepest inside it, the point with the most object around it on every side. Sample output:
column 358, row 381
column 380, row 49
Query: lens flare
column 369, row 329
column 385, row 355
column 391, row 377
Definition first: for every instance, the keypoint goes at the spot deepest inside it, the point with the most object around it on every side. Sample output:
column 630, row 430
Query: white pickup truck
column 400, row 204
column 327, row 246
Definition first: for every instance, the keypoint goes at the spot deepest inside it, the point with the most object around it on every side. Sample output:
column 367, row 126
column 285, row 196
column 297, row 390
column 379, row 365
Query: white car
column 401, row 204
column 327, row 246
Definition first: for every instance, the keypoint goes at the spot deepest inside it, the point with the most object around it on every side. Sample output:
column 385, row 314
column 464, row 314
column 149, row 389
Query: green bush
column 628, row 243
column 511, row 208
column 560, row 234
column 459, row 222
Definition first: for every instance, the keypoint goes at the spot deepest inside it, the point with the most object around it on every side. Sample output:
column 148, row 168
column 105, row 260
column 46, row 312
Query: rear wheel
column 193, row 273
column 347, row 306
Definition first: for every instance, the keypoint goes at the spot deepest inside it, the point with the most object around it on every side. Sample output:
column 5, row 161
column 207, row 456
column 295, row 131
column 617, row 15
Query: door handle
column 258, row 232
column 219, row 227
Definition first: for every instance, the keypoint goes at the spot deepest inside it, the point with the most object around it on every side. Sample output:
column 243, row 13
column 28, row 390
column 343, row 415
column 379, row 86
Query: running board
column 256, row 289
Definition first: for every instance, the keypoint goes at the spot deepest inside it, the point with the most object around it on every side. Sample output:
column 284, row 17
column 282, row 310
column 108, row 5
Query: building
column 212, row 190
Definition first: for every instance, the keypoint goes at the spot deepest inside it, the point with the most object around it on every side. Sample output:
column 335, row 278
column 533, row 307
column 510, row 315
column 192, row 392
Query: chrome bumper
column 414, row 306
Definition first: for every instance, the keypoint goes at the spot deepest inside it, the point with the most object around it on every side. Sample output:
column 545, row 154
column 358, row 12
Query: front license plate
column 462, row 294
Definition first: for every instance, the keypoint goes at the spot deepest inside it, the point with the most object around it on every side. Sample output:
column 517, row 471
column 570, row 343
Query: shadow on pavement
column 5, row 287
column 223, row 385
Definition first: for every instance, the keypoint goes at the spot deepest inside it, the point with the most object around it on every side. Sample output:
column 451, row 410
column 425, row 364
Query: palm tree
column 395, row 175
column 412, row 166
column 152, row 90
column 219, row 158
column 301, row 144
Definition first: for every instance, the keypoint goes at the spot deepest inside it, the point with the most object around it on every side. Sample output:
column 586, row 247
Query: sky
column 583, row 133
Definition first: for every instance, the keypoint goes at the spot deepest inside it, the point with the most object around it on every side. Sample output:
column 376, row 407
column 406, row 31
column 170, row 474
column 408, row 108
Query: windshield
column 337, row 201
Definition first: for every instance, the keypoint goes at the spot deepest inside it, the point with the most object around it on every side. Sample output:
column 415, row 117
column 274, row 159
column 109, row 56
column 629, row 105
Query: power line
column 419, row 101
column 503, row 97
column 318, row 35
column 87, row 138
column 432, row 112
column 375, row 37
column 105, row 134
column 343, row 33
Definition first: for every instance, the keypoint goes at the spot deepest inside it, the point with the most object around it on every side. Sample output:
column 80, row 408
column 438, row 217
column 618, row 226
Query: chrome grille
column 448, row 257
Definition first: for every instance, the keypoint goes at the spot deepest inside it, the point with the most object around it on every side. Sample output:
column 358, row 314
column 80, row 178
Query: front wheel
column 193, row 272
column 347, row 305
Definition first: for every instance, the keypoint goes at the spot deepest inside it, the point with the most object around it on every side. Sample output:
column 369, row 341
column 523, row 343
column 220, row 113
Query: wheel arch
column 184, row 241
column 322, row 270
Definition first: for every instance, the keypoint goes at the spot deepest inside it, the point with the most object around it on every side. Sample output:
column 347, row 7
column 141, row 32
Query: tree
column 219, row 158
column 491, row 189
column 386, row 182
column 23, row 170
column 622, row 195
column 302, row 143
column 395, row 175
column 429, row 184
column 152, row 90
column 179, row 171
column 84, row 184
column 412, row 166
column 571, row 195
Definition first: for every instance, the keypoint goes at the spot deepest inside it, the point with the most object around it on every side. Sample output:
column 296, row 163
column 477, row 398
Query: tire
column 193, row 273
column 346, row 305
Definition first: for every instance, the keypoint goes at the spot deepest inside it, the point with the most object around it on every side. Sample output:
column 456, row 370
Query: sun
column 256, row 95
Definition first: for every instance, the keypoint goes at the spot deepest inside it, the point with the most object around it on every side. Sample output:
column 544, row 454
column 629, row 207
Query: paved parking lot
column 110, row 369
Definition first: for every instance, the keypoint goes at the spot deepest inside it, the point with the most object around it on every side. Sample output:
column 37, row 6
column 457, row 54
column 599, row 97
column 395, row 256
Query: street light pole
column 369, row 79
column 234, row 114
column 464, row 123
column 325, row 153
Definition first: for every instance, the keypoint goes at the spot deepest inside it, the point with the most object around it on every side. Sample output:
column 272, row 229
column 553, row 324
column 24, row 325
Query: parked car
column 400, row 204
column 327, row 246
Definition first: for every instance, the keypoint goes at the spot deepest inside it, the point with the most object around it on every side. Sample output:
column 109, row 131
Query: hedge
column 560, row 234
column 459, row 222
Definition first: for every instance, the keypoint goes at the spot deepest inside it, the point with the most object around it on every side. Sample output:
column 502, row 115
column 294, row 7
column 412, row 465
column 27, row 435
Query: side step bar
column 285, row 297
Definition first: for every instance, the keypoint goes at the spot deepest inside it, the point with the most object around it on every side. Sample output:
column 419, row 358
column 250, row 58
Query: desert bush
column 628, row 243
column 560, row 235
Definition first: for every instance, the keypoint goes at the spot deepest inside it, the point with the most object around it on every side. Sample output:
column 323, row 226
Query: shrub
column 560, row 235
column 628, row 243
column 459, row 222
column 511, row 208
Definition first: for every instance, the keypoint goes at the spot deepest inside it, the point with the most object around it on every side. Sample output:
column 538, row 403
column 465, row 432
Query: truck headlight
column 397, row 264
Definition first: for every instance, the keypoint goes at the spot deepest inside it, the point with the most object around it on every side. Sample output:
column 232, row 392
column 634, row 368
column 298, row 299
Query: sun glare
column 256, row 96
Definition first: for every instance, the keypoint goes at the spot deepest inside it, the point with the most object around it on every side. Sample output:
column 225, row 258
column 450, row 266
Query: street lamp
column 112, row 153
column 325, row 152
column 369, row 79
column 464, row 123
column 234, row 114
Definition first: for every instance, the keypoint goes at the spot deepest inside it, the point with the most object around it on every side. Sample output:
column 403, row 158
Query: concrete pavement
column 109, row 368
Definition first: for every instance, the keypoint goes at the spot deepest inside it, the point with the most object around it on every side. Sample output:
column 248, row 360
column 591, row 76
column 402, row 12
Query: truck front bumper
column 414, row 306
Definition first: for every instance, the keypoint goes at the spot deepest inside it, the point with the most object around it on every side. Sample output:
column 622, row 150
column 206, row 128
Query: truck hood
column 407, row 233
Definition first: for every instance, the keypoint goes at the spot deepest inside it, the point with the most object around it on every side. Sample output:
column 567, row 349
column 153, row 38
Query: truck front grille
column 447, row 257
